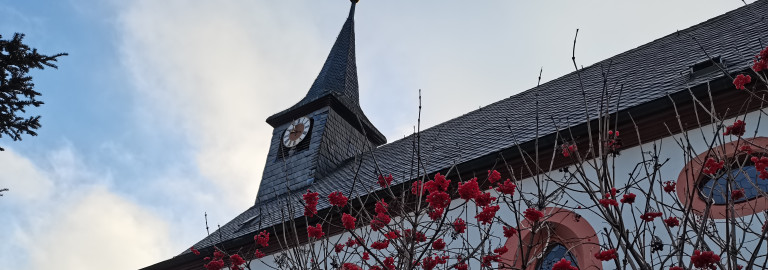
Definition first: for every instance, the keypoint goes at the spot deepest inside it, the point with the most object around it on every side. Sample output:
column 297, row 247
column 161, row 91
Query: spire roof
column 339, row 73
column 337, row 79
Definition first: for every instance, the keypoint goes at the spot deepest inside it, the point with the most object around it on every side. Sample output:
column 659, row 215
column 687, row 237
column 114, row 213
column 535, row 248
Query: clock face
column 296, row 132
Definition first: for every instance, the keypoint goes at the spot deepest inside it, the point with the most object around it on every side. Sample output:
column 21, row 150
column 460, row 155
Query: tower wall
column 297, row 169
column 332, row 141
column 340, row 142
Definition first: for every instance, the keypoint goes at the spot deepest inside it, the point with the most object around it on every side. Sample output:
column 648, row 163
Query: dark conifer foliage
column 17, row 91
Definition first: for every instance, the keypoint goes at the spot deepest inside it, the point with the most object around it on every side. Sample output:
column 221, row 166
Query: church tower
column 312, row 138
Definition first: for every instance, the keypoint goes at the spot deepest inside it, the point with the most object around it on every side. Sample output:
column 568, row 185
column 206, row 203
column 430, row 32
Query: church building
column 672, row 89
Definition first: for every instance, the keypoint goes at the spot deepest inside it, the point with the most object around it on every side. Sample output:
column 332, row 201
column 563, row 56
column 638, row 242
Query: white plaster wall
column 666, row 148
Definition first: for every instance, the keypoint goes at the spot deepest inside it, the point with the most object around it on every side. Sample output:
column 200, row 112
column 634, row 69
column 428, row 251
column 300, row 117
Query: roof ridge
column 594, row 65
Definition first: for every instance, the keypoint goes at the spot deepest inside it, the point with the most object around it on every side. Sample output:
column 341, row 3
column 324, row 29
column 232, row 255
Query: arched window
column 554, row 254
column 698, row 187
column 564, row 235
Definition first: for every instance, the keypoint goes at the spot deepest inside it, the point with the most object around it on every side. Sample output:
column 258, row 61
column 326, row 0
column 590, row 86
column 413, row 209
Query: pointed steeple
column 339, row 73
column 336, row 84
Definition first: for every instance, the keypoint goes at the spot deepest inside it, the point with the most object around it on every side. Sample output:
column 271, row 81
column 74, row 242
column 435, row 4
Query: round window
column 744, row 178
column 701, row 189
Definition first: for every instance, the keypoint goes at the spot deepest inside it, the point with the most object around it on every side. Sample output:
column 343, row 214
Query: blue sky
column 157, row 115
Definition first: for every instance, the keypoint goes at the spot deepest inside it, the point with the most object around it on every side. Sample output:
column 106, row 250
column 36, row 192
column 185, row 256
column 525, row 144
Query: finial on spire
column 352, row 9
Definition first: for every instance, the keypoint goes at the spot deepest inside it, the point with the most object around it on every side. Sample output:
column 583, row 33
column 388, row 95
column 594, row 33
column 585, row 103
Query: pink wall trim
column 691, row 175
column 562, row 226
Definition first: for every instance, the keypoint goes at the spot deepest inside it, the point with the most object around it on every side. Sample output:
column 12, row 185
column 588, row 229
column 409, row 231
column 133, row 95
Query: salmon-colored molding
column 561, row 227
column 691, row 175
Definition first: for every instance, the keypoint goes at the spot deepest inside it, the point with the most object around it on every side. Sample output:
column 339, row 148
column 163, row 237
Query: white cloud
column 59, row 214
column 211, row 73
column 95, row 230
column 26, row 183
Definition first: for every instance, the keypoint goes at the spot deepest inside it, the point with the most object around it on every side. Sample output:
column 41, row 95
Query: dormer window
column 248, row 221
column 707, row 66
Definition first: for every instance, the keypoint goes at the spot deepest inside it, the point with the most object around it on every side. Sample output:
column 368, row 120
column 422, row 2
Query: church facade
column 673, row 100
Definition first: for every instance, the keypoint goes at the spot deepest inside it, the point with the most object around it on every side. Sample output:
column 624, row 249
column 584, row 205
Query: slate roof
column 647, row 73
column 337, row 78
